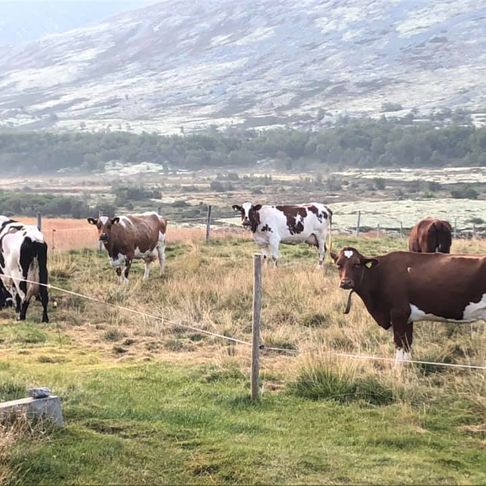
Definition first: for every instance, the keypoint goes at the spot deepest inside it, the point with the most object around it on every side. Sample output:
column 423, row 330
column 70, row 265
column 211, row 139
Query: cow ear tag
column 368, row 264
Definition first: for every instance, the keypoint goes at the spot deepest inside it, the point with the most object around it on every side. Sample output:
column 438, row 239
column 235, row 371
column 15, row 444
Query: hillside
column 257, row 63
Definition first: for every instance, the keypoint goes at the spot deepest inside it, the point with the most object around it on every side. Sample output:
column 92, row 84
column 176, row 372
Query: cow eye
column 356, row 265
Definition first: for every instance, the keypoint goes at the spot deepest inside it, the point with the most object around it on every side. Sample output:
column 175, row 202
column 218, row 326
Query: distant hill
column 256, row 63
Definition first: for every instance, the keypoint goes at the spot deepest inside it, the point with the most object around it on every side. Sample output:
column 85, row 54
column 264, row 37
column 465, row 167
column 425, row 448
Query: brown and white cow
column 291, row 224
column 431, row 236
column 401, row 288
column 136, row 236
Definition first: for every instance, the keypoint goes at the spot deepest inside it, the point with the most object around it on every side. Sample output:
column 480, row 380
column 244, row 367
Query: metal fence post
column 208, row 225
column 255, row 346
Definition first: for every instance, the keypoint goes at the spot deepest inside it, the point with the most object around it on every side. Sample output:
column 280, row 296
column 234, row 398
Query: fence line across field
column 256, row 335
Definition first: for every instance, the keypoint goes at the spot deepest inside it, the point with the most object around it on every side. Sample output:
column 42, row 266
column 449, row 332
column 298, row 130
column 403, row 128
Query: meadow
column 147, row 400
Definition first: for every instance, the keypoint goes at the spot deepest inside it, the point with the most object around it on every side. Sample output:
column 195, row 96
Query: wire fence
column 235, row 340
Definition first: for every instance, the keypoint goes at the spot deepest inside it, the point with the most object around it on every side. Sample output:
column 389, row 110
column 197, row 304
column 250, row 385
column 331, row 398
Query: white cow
column 272, row 225
column 23, row 255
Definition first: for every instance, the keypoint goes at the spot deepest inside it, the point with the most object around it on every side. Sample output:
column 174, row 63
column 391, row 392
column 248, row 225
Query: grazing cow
column 23, row 255
column 401, row 288
column 272, row 225
column 430, row 236
column 136, row 236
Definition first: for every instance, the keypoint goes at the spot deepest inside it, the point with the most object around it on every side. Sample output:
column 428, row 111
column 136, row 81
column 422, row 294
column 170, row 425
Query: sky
column 27, row 20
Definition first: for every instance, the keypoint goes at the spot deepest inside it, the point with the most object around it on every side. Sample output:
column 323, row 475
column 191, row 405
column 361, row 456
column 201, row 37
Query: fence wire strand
column 263, row 347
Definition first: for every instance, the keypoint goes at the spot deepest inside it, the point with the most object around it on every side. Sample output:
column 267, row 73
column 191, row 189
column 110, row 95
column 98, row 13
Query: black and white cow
column 23, row 255
column 291, row 224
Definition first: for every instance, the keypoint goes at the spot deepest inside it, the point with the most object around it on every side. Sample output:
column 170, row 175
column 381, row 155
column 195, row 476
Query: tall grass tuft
column 341, row 381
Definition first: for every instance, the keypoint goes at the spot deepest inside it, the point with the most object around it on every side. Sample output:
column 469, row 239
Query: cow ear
column 115, row 220
column 369, row 262
column 236, row 207
column 257, row 207
column 334, row 256
column 92, row 220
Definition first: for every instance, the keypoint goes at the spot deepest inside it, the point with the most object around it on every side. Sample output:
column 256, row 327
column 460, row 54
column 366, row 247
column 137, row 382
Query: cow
column 23, row 266
column 401, row 288
column 430, row 236
column 136, row 236
column 291, row 224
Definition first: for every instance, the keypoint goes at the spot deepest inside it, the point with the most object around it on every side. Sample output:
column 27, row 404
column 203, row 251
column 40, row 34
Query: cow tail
column 437, row 246
column 37, row 269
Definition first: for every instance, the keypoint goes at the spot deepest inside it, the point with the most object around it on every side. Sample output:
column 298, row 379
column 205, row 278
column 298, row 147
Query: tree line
column 358, row 143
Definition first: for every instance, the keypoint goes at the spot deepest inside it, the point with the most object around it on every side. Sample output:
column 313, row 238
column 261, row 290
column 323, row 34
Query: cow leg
column 321, row 245
column 18, row 302
column 128, row 264
column 118, row 271
column 274, row 244
column 23, row 310
column 146, row 273
column 44, row 297
column 402, row 335
column 161, row 254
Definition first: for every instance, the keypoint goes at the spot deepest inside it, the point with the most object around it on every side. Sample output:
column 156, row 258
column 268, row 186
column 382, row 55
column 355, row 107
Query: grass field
column 146, row 401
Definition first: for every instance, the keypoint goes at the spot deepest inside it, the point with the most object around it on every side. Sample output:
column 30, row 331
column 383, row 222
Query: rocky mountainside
column 194, row 63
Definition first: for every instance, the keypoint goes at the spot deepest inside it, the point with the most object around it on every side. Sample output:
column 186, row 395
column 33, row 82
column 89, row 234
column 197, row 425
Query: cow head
column 249, row 214
column 104, row 225
column 352, row 267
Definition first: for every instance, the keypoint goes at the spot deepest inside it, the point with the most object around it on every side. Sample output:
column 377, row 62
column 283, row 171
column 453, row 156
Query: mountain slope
column 257, row 62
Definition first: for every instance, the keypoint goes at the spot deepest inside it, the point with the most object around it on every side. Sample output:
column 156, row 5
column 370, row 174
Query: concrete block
column 45, row 408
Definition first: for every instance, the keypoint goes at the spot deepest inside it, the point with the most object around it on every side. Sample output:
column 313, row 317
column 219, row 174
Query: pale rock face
column 222, row 62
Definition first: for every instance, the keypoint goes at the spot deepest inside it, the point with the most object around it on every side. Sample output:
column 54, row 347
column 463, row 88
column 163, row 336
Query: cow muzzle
column 346, row 284
column 246, row 222
column 104, row 237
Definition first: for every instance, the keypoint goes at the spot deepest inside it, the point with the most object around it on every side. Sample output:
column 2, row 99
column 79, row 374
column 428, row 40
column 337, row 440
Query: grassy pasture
column 149, row 402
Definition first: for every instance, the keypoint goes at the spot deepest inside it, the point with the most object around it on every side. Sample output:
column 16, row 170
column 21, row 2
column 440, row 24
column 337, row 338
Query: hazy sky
column 27, row 20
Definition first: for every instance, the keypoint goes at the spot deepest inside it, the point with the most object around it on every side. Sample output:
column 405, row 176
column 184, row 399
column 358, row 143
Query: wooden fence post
column 208, row 225
column 100, row 243
column 53, row 242
column 455, row 228
column 357, row 223
column 39, row 221
column 401, row 229
column 255, row 345
column 378, row 230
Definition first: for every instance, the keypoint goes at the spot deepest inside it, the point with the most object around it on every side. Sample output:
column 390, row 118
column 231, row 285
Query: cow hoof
column 45, row 319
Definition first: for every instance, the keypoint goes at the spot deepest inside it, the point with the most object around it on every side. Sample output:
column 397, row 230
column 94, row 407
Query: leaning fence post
column 357, row 223
column 255, row 344
column 39, row 221
column 208, row 225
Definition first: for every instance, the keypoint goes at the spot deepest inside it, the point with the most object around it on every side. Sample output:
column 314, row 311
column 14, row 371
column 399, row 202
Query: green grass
column 170, row 423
